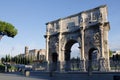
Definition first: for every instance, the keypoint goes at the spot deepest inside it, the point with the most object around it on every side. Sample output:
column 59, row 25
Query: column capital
column 46, row 36
column 101, row 27
column 82, row 28
column 63, row 49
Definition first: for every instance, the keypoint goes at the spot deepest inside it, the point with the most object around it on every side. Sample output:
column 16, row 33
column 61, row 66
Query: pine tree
column 7, row 29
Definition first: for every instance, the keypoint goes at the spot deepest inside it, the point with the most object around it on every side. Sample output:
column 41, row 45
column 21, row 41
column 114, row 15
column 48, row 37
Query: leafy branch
column 7, row 29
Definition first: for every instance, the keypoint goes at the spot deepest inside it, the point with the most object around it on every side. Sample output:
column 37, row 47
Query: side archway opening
column 93, row 59
column 54, row 61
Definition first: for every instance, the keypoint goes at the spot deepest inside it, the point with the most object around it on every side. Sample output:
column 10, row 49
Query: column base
column 52, row 66
column 67, row 66
column 48, row 66
column 104, row 65
column 61, row 66
column 82, row 65
column 108, row 65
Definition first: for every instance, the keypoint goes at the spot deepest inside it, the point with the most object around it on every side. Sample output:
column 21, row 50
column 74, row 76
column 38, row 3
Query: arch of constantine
column 89, row 29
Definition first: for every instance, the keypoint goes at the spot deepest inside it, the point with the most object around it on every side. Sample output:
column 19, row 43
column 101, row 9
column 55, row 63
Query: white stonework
column 89, row 29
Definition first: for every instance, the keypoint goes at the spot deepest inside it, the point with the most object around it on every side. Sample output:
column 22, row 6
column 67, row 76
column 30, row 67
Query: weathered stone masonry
column 89, row 29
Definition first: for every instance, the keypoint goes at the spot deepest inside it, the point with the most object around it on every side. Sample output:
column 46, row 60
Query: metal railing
column 115, row 65
column 76, row 65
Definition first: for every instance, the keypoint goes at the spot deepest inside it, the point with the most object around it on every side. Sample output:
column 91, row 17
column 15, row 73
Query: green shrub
column 2, row 68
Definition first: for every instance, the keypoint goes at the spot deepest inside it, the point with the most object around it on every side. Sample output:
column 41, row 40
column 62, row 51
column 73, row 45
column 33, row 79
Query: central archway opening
column 72, row 55
column 75, row 51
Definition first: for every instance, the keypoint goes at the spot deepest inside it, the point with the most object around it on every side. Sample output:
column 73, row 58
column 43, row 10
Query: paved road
column 59, row 76
column 19, row 76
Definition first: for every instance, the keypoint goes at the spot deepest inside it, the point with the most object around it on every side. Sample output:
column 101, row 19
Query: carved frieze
column 97, row 38
column 54, row 42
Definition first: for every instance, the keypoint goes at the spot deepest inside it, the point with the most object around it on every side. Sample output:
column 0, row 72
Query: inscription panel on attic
column 70, row 24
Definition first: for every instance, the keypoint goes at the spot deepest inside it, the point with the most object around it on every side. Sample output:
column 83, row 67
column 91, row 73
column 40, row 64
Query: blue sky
column 30, row 16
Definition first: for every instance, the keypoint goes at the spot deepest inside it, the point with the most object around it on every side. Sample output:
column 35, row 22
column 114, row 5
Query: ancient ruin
column 89, row 29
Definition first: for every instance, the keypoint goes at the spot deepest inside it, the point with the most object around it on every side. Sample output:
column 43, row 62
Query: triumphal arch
column 89, row 29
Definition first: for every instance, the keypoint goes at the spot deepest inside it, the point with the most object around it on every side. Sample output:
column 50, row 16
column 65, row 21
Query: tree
column 2, row 59
column 110, row 53
column 7, row 29
column 7, row 58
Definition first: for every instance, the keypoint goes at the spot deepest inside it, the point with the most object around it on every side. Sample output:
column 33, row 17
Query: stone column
column 47, row 46
column 82, row 44
column 102, row 41
column 82, row 27
column 82, row 59
column 108, row 60
column 61, row 52
column 102, row 58
column 107, row 48
column 47, row 52
column 62, row 61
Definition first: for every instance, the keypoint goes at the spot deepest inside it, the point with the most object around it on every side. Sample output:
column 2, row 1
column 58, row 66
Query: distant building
column 116, row 52
column 41, row 55
column 36, row 55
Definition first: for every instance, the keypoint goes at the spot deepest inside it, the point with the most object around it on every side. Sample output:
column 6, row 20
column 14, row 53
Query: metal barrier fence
column 115, row 65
